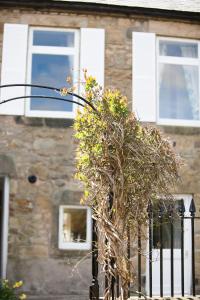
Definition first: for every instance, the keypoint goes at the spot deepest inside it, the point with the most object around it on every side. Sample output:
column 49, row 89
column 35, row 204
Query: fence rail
column 160, row 215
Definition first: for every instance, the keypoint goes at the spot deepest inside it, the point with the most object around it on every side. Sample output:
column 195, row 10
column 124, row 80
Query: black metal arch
column 42, row 97
column 57, row 90
column 94, row 288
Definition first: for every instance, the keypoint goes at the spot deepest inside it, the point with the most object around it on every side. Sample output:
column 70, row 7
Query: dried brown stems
column 122, row 164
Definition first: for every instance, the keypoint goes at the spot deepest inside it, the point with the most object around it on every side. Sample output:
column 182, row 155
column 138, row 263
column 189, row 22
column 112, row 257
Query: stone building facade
column 45, row 147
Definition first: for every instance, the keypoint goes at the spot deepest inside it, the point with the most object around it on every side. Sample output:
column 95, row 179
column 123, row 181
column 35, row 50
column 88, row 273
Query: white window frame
column 176, row 61
column 52, row 50
column 75, row 245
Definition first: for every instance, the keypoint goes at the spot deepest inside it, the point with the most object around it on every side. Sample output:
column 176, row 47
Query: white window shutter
column 92, row 56
column 144, row 76
column 14, row 58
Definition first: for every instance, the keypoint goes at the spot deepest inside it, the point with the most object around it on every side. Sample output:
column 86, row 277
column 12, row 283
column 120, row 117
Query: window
column 166, row 79
column 178, row 82
column 46, row 56
column 53, row 55
column 74, row 227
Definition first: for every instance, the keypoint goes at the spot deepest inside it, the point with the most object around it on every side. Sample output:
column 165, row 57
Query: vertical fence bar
column 128, row 254
column 106, row 276
column 192, row 210
column 110, row 203
column 112, row 281
column 139, row 262
column 112, row 260
column 150, row 216
column 117, row 286
column 182, row 211
column 161, row 210
column 94, row 288
column 171, row 218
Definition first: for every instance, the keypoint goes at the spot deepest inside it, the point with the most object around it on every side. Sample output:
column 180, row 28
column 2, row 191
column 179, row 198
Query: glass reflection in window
column 74, row 225
column 178, row 49
column 53, row 56
column 53, row 38
column 50, row 70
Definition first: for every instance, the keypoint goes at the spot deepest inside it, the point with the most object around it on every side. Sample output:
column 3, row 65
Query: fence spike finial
column 170, row 209
column 161, row 209
column 181, row 208
column 192, row 208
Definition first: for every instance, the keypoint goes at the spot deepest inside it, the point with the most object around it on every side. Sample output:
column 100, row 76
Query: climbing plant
column 122, row 164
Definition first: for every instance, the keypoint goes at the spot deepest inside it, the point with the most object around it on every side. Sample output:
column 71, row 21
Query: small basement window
column 74, row 227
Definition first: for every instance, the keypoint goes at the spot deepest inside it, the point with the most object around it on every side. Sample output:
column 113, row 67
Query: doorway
column 186, row 199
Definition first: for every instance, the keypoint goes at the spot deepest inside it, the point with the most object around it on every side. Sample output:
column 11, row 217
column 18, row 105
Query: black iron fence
column 166, row 229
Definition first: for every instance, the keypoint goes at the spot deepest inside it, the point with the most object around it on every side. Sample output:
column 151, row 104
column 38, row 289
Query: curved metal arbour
column 57, row 90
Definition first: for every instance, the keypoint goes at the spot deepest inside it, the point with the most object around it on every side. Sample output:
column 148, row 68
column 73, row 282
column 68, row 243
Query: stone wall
column 46, row 148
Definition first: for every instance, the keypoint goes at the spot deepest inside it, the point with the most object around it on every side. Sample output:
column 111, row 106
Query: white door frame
column 4, row 242
column 187, row 253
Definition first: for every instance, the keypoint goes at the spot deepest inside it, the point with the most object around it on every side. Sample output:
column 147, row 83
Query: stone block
column 33, row 251
column 44, row 144
column 174, row 29
column 71, row 197
column 138, row 26
column 24, row 205
column 7, row 166
column 43, row 203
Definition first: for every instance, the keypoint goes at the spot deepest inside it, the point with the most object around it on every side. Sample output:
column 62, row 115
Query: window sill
column 42, row 122
column 75, row 247
column 51, row 114
column 180, row 123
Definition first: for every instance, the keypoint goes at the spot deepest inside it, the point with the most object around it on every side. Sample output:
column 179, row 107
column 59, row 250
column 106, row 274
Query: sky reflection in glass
column 53, row 38
column 51, row 70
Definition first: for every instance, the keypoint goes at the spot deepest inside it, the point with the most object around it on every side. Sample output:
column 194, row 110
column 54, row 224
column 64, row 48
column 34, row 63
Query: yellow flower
column 63, row 91
column 18, row 284
column 22, row 297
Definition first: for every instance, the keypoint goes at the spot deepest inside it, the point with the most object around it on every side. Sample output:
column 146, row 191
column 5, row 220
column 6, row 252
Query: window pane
column 167, row 234
column 179, row 49
column 50, row 70
column 166, row 229
column 53, row 38
column 74, row 225
column 178, row 92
